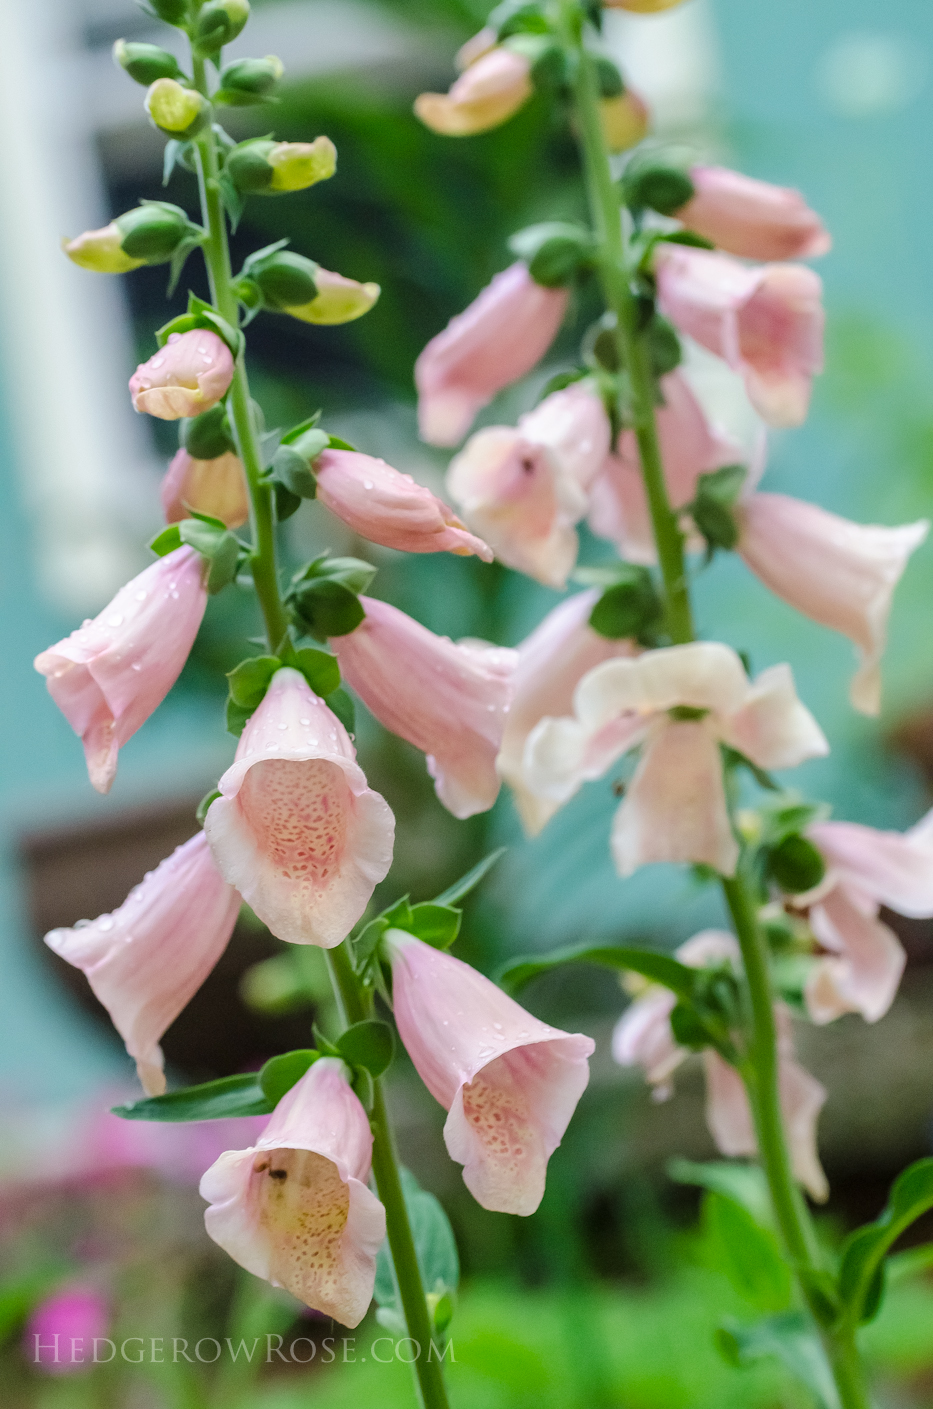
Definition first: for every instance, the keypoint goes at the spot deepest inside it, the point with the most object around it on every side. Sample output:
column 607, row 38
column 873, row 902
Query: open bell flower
column 188, row 375
column 675, row 807
column 766, row 323
column 295, row 1208
column 297, row 829
column 492, row 87
column 216, row 487
column 387, row 507
column 146, row 961
column 752, row 219
column 839, row 573
column 501, row 336
column 109, row 675
column 508, row 1082
column 524, row 489
column 450, row 700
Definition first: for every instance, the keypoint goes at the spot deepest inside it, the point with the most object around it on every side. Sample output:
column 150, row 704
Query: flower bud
column 625, row 120
column 206, row 437
column 218, row 22
column 642, row 7
column 485, row 95
column 171, row 11
column 101, row 251
column 176, row 111
column 284, row 279
column 338, row 300
column 145, row 62
column 661, row 188
column 263, row 167
column 249, row 80
column 215, row 486
column 796, row 865
column 153, row 232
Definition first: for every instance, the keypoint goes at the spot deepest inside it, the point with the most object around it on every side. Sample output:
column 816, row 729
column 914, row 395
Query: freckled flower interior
column 303, row 1206
column 300, row 811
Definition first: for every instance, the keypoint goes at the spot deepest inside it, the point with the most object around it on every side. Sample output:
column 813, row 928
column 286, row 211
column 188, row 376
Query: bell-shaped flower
column 508, row 1082
column 188, row 375
column 839, row 573
column 493, row 87
column 497, row 340
column 448, row 699
column 679, row 703
column 216, row 487
column 387, row 507
column 295, row 1208
column 297, row 829
column 109, row 675
column 146, row 961
column 550, row 664
column 752, row 219
column 524, row 489
column 767, row 323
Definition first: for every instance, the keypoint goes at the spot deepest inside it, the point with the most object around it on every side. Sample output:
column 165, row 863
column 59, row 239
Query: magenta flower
column 146, row 961
column 294, row 1208
column 500, row 337
column 390, row 508
column 297, row 829
column 61, row 1331
column 188, row 375
column 216, row 487
column 508, row 1082
column 448, row 700
column 752, row 218
column 109, row 675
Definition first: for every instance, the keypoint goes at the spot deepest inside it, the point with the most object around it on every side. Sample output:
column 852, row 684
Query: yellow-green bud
column 283, row 278
column 219, row 22
column 171, row 11
column 101, row 251
column 153, row 231
column 338, row 300
column 145, row 62
column 249, row 81
column 178, row 112
column 265, row 168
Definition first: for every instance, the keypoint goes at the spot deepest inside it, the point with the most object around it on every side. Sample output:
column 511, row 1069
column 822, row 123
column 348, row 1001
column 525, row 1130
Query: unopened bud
column 485, row 95
column 338, row 300
column 267, row 168
column 283, row 278
column 176, row 111
column 249, row 80
column 145, row 62
column 655, row 187
column 642, row 7
column 796, row 865
column 625, row 120
column 219, row 22
column 153, row 232
column 170, row 11
column 101, row 251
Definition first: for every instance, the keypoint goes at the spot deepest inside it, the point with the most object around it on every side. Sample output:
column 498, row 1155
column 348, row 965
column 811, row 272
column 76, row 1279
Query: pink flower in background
column 148, row 959
column 493, row 86
column 61, row 1330
column 524, row 489
column 390, row 508
column 297, row 829
column 752, row 218
column 216, row 487
column 294, row 1208
column 839, row 573
column 498, row 339
column 766, row 323
column 508, row 1082
column 450, row 700
column 109, row 675
column 188, row 375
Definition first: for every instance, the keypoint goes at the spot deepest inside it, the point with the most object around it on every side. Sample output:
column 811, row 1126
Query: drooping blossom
column 766, row 322
column 216, row 487
column 297, row 829
column 146, row 961
column 61, row 1331
column 188, row 375
column 674, row 808
column 524, row 489
column 387, row 507
column 500, row 337
column 294, row 1208
column 448, row 699
column 491, row 88
column 508, row 1082
column 839, row 573
column 551, row 662
column 109, row 675
column 752, row 219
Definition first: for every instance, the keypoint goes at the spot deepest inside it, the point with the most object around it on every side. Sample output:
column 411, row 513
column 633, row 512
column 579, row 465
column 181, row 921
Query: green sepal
column 712, row 509
column 204, row 805
column 341, row 704
column 518, row 17
column 279, row 1074
column 608, row 77
column 664, row 347
column 286, row 503
column 795, row 864
column 212, row 1100
column 249, row 681
column 630, row 607
column 319, row 668
column 461, row 888
column 551, row 63
column 324, row 596
column 555, row 251
column 657, row 187
column 202, row 315
column 367, row 1044
column 236, row 718
column 207, row 437
column 166, row 541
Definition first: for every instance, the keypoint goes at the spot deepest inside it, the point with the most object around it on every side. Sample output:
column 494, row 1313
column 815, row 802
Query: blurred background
column 610, row 1294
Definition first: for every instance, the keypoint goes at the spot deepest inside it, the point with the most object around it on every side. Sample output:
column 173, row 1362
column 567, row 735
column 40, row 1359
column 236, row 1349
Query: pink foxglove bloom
column 62, row 1329
column 551, row 662
column 146, row 961
column 524, row 489
column 390, row 508
column 767, row 323
column 752, row 218
column 839, row 573
column 675, row 807
column 295, row 1208
column 109, row 675
column 297, row 829
column 188, row 375
column 216, row 487
column 494, row 85
column 448, row 699
column 497, row 340
column 508, row 1082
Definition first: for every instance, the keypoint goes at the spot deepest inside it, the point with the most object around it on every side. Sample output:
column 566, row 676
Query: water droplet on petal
column 115, row 621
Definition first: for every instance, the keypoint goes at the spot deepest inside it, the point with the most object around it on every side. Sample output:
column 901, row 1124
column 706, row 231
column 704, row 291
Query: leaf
column 437, row 925
column 434, row 1242
column 237, row 717
column 280, row 1074
column 470, row 881
column 712, row 508
column 630, row 607
column 249, row 681
column 659, row 968
column 212, row 1100
column 861, row 1271
column 320, row 669
column 167, row 541
column 233, row 202
column 745, row 1184
column 341, row 704
column 749, row 1254
column 790, row 1338
column 326, row 608
column 368, row 1044
column 215, row 542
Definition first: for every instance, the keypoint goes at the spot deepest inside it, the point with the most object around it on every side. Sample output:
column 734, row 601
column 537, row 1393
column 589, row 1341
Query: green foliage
column 436, row 1249
column 629, row 607
column 212, row 539
column 653, row 186
column 368, row 1044
column 748, row 1253
column 861, row 1273
column 211, row 1100
column 556, row 251
column 324, row 596
column 789, row 1338
column 207, row 436
column 713, row 507
column 796, row 865
column 461, row 889
column 659, row 968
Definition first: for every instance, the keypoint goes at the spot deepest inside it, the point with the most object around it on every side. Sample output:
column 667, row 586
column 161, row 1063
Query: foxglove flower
column 752, row 219
column 767, row 323
column 216, row 487
column 62, row 1329
column 675, row 807
column 493, row 87
column 508, row 1082
column 294, row 1208
column 390, row 508
column 188, row 375
column 500, row 337
column 109, row 675
column 146, row 961
column 297, row 829
column 449, row 700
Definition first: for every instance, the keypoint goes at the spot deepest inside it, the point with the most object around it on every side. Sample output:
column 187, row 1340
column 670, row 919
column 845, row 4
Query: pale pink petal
column 701, row 675
column 772, row 727
column 752, row 218
column 573, row 424
column 893, row 868
column 494, row 85
column 560, row 755
column 188, row 375
column 216, row 487
column 864, row 978
column 642, row 1038
column 297, row 829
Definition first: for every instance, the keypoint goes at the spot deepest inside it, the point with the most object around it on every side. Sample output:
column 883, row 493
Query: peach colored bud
column 101, row 251
column 642, row 7
column 216, row 487
column 188, row 375
column 338, row 300
column 625, row 120
column 476, row 48
column 491, row 89
column 297, row 165
column 751, row 218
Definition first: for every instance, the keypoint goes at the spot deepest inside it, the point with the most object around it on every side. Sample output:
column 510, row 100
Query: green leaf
column 861, row 1270
column 435, row 1246
column 167, row 541
column 555, row 251
column 281, row 1073
column 286, row 503
column 749, row 1254
column 326, row 608
column 293, row 470
column 213, row 1100
column 790, row 1338
column 712, row 508
column 367, row 1044
column 237, row 718
column 354, row 573
column 659, row 968
column 249, row 681
column 336, row 443
column 437, row 925
column 745, row 1184
column 341, row 704
column 320, row 669
column 664, row 347
column 466, row 883
column 630, row 607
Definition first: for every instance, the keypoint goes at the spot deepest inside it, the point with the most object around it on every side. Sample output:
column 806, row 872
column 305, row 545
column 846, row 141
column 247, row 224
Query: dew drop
column 367, row 484
column 115, row 621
